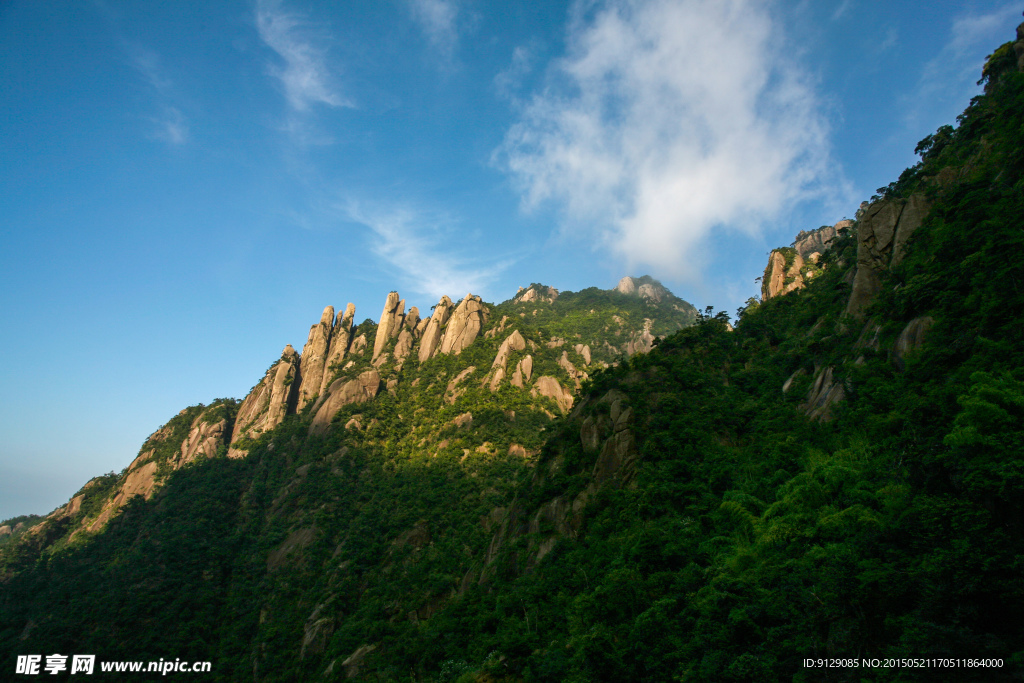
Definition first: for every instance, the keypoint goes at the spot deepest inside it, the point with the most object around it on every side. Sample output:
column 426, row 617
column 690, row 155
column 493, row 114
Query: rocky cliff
column 338, row 371
column 791, row 268
column 882, row 232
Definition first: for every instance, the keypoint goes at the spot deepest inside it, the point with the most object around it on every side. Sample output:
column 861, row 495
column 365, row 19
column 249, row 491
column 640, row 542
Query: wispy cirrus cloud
column 303, row 72
column 667, row 121
column 950, row 78
column 437, row 19
column 417, row 245
column 170, row 124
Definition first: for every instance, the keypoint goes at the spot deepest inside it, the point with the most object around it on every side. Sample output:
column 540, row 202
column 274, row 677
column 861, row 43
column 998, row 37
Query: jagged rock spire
column 341, row 336
column 432, row 331
column 391, row 319
column 314, row 356
column 467, row 321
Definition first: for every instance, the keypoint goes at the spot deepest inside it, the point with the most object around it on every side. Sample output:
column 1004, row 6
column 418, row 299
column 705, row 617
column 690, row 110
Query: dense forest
column 824, row 481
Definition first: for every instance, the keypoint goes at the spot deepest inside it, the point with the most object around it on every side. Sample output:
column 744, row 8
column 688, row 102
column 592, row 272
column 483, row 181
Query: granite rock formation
column 267, row 404
column 314, row 356
column 466, row 324
column 883, row 230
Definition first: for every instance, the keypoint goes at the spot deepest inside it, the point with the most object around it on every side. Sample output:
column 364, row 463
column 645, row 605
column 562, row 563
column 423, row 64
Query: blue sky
column 185, row 185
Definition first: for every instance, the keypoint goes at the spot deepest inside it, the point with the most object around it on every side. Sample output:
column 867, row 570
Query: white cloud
column 971, row 30
column 304, row 74
column 419, row 246
column 510, row 79
column 437, row 20
column 171, row 125
column 668, row 120
column 949, row 80
column 147, row 63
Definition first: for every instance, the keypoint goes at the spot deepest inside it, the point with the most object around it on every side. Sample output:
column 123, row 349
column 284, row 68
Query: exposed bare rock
column 452, row 392
column 868, row 336
column 412, row 319
column 583, row 350
column 882, row 233
column 359, row 345
column 316, row 632
column 914, row 213
column 774, row 274
column 576, row 375
column 356, row 659
column 283, row 390
column 463, row 420
column 518, row 450
column 792, row 378
column 651, row 292
column 432, row 332
column 496, row 378
column 141, row 481
column 467, row 321
column 295, row 542
column 497, row 329
column 391, row 319
column 538, row 293
column 513, row 342
column 779, row 279
column 314, row 356
column 204, row 438
column 70, row 509
column 590, row 434
column 343, row 392
column 823, row 394
column 404, row 345
column 549, row 386
column 911, row 338
column 641, row 342
column 524, row 371
column 269, row 401
column 251, row 414
column 809, row 241
column 341, row 336
column 617, row 458
column 555, row 343
column 875, row 231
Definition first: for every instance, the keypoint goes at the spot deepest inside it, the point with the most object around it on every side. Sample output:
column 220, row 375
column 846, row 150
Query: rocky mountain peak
column 644, row 287
column 536, row 292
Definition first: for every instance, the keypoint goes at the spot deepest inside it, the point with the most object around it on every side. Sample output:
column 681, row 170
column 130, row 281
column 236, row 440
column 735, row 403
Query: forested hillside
column 840, row 476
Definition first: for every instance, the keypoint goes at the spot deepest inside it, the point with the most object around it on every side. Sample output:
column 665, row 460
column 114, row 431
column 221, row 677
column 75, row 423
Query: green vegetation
column 17, row 526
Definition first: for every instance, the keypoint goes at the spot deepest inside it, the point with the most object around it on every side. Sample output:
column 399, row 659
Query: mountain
column 603, row 485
